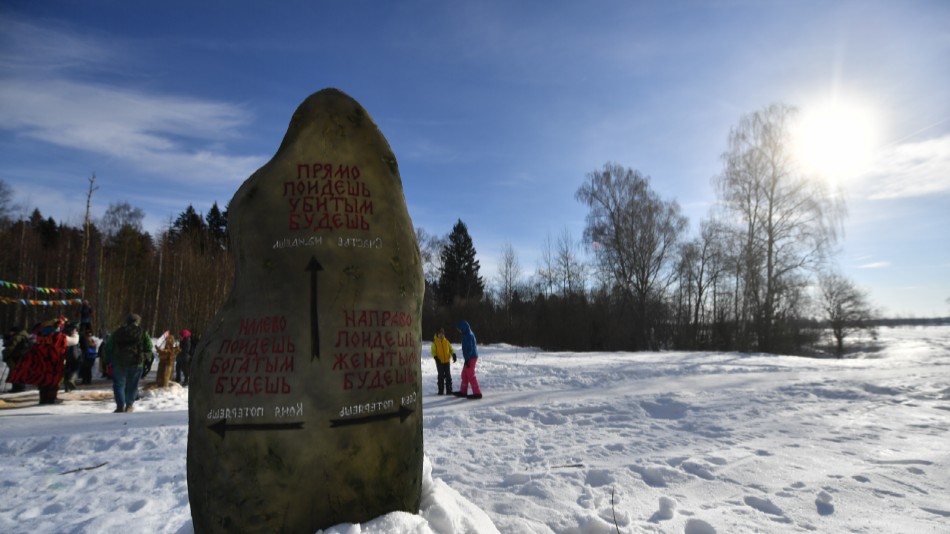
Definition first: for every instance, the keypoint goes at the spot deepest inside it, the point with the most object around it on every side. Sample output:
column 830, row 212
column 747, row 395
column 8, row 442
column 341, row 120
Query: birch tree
column 785, row 220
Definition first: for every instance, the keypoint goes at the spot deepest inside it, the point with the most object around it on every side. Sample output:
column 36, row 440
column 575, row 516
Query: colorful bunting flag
column 31, row 302
column 42, row 290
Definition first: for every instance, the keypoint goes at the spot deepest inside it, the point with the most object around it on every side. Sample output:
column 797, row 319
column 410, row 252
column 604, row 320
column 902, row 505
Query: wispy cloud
column 26, row 47
column 875, row 265
column 173, row 136
column 912, row 170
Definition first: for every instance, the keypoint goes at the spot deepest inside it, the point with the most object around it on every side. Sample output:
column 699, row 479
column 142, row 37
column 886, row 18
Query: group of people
column 444, row 356
column 54, row 352
column 57, row 352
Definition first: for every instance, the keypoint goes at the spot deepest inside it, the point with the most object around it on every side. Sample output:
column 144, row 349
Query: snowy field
column 694, row 443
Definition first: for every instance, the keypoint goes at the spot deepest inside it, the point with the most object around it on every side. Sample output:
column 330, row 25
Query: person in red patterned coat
column 43, row 364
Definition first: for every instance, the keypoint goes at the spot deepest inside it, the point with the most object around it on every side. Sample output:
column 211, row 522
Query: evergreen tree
column 217, row 224
column 189, row 222
column 458, row 277
column 49, row 231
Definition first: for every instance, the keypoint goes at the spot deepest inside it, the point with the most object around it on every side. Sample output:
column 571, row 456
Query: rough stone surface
column 305, row 404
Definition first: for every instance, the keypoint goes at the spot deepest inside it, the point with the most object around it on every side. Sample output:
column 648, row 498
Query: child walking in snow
column 443, row 354
column 470, row 354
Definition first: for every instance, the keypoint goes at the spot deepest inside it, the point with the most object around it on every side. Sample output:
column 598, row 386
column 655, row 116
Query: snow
column 572, row 443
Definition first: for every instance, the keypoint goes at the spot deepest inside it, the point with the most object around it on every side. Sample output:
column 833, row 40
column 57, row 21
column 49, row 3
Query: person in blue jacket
column 470, row 354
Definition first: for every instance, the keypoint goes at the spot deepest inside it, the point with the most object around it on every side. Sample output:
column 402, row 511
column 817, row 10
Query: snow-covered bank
column 566, row 443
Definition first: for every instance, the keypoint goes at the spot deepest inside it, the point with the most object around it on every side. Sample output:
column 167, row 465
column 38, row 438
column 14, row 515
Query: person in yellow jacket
column 443, row 354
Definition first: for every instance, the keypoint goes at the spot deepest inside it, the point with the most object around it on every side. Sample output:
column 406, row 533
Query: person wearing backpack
column 127, row 349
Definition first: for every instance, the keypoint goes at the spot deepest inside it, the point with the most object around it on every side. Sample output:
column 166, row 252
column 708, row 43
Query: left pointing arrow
column 222, row 427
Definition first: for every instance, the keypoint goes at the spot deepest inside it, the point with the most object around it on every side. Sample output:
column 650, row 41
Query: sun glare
column 835, row 140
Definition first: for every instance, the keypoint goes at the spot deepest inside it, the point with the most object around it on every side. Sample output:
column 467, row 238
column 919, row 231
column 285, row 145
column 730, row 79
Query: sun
column 836, row 139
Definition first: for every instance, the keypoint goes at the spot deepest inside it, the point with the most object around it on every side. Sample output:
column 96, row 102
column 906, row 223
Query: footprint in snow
column 698, row 526
column 665, row 408
column 698, row 469
column 765, row 506
column 936, row 511
column 824, row 504
column 656, row 476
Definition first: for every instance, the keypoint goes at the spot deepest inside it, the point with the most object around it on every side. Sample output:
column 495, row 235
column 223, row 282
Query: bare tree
column 560, row 268
column 430, row 247
column 636, row 233
column 7, row 207
column 509, row 273
column 87, row 226
column 121, row 215
column 845, row 306
column 786, row 221
column 569, row 268
column 547, row 266
column 701, row 265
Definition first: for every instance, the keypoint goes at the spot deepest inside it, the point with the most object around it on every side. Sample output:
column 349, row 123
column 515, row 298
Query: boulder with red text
column 305, row 399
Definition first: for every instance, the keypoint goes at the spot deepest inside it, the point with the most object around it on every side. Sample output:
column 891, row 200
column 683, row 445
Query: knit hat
column 134, row 318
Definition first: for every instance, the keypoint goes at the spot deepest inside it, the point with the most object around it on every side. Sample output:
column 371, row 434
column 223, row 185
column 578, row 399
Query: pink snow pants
column 468, row 377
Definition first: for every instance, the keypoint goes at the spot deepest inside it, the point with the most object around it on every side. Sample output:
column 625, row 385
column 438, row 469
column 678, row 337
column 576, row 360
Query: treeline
column 174, row 280
column 758, row 274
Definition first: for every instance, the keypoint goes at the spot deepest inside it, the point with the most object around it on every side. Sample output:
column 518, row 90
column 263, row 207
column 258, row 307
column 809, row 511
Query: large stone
column 305, row 400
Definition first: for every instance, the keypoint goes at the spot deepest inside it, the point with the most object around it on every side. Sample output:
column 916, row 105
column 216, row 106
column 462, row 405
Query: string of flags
column 31, row 302
column 43, row 291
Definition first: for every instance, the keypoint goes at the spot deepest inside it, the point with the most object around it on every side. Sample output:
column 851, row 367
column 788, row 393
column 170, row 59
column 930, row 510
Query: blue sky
column 496, row 110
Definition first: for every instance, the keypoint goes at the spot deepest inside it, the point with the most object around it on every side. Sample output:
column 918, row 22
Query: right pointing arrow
column 402, row 414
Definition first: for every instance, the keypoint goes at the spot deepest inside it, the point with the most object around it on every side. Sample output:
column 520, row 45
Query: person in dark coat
column 74, row 356
column 183, row 360
column 127, row 349
column 88, row 346
column 16, row 343
column 85, row 316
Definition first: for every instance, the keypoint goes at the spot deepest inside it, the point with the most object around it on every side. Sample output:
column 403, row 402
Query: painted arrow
column 222, row 427
column 402, row 414
column 314, row 267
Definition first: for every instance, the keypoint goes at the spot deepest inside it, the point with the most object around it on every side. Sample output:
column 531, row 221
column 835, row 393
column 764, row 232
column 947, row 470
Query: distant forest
column 176, row 279
column 758, row 275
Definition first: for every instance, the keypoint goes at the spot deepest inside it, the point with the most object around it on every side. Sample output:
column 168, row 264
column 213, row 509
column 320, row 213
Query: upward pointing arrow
column 314, row 267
